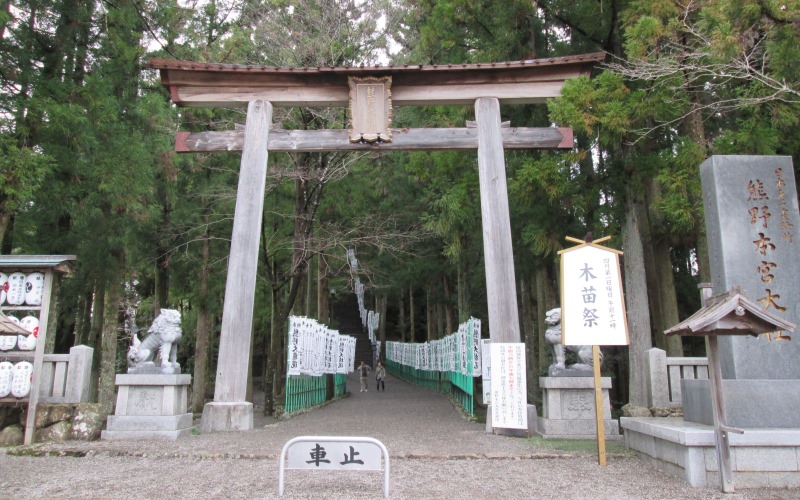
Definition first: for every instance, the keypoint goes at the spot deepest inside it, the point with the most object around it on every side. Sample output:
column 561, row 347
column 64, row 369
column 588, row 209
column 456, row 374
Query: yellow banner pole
column 598, row 407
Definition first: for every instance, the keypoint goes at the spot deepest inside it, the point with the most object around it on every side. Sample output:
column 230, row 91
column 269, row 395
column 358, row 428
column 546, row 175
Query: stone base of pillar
column 222, row 417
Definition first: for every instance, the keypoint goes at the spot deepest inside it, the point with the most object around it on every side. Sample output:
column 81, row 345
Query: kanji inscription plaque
column 370, row 109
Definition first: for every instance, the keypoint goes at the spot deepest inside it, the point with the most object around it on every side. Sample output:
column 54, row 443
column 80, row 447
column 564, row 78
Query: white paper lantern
column 34, row 289
column 15, row 295
column 6, row 377
column 21, row 383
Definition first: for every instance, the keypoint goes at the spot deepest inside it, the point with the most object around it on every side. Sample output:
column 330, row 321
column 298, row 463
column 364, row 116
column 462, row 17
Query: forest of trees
column 87, row 163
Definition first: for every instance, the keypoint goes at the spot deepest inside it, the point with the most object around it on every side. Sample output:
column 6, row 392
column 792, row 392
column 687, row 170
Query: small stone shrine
column 568, row 391
column 152, row 400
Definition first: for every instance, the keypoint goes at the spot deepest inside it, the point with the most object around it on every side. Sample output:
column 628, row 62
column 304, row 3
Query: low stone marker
column 334, row 453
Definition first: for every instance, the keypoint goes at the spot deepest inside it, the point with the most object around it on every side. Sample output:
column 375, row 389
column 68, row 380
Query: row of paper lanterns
column 18, row 289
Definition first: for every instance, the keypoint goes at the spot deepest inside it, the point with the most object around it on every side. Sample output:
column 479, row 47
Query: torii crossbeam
column 370, row 92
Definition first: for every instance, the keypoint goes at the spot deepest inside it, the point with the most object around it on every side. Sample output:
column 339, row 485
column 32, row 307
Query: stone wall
column 54, row 422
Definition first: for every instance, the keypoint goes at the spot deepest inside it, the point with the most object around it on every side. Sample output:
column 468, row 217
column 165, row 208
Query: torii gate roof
column 512, row 82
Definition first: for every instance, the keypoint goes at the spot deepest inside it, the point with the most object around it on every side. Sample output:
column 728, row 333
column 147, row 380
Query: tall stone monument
column 753, row 223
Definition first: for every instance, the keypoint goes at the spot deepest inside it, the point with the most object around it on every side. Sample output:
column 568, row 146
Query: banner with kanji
column 592, row 303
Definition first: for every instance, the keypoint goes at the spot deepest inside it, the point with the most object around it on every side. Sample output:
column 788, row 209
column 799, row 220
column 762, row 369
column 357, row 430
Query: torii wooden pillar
column 483, row 85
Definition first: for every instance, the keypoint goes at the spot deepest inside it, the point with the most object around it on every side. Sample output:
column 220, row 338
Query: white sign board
column 509, row 388
column 592, row 305
column 334, row 455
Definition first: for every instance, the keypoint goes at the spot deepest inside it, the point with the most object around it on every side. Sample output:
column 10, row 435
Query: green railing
column 461, row 387
column 305, row 391
column 340, row 385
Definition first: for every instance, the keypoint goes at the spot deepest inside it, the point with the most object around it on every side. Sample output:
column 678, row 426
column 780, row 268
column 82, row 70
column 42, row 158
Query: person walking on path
column 363, row 371
column 380, row 374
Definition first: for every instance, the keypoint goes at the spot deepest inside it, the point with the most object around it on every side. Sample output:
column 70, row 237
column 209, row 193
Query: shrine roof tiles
column 173, row 64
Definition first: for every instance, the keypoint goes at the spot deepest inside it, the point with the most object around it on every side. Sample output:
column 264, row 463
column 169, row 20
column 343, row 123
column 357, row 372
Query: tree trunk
column 529, row 337
column 462, row 285
column 162, row 284
column 429, row 323
column 450, row 325
column 203, row 329
column 84, row 323
column 658, row 263
column 412, row 337
column 269, row 365
column 636, row 300
column 402, row 317
column 309, row 312
column 669, row 316
column 382, row 304
column 95, row 334
column 323, row 297
column 546, row 299
column 5, row 219
column 111, row 327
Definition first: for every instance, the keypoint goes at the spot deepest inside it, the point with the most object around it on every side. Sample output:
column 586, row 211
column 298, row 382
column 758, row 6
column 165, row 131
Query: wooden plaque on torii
column 370, row 109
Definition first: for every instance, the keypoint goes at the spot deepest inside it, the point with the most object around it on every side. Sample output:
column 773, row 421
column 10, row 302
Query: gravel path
column 434, row 453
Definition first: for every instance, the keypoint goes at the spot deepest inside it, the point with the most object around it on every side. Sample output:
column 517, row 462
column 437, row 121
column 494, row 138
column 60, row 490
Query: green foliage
column 679, row 204
column 601, row 107
column 22, row 171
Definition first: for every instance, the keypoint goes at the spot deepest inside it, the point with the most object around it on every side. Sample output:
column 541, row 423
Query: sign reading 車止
column 592, row 305
column 509, row 400
column 334, row 453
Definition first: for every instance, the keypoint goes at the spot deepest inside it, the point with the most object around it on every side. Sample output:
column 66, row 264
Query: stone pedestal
column 222, row 417
column 568, row 408
column 150, row 406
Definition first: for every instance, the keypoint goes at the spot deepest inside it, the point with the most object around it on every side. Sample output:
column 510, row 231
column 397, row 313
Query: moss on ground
column 582, row 446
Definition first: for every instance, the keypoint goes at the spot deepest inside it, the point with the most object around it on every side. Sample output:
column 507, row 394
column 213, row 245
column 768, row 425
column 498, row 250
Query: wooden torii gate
column 370, row 92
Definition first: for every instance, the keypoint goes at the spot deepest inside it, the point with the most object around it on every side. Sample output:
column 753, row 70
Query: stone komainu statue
column 553, row 337
column 164, row 334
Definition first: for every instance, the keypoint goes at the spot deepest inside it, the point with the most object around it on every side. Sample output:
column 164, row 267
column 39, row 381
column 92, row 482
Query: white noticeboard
column 509, row 388
column 592, row 304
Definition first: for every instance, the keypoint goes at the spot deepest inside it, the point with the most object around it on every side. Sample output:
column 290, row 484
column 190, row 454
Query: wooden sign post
column 593, row 309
